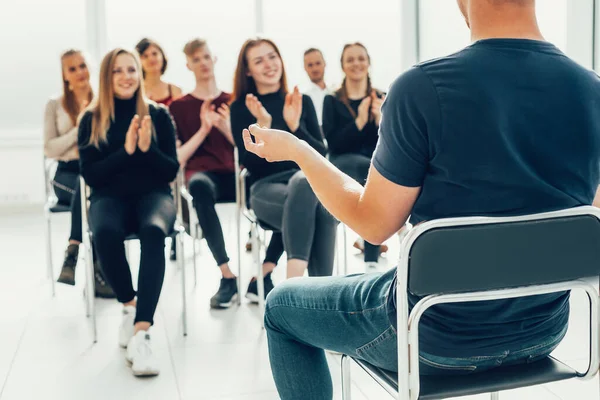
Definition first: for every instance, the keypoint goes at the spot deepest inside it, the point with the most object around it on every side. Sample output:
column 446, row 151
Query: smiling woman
column 128, row 158
column 154, row 64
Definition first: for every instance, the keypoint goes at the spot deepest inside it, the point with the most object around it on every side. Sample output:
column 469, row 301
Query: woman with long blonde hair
column 128, row 158
column 60, row 143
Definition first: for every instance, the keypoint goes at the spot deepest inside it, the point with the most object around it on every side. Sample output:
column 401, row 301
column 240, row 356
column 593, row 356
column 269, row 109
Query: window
column 31, row 42
column 328, row 25
column 442, row 28
column 225, row 24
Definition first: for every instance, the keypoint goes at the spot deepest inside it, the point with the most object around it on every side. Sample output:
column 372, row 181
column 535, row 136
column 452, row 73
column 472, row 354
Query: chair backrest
column 466, row 254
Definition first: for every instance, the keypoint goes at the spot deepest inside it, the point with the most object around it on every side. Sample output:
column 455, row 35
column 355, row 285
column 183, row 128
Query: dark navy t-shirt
column 503, row 127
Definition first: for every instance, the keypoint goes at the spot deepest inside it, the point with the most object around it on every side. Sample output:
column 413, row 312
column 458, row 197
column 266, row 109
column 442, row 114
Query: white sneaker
column 371, row 266
column 126, row 328
column 140, row 355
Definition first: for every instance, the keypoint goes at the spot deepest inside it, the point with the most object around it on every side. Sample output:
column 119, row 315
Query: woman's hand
column 145, row 134
column 363, row 113
column 131, row 137
column 292, row 109
column 263, row 118
column 271, row 144
column 376, row 103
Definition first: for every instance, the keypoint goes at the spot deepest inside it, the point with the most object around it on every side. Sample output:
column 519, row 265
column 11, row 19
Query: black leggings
column 208, row 189
column 286, row 202
column 357, row 167
column 66, row 187
column 151, row 216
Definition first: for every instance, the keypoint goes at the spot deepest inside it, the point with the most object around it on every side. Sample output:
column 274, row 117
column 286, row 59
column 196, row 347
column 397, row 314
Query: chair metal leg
column 127, row 250
column 238, row 246
column 90, row 284
column 181, row 265
column 259, row 276
column 345, row 247
column 194, row 237
column 49, row 252
column 346, row 381
column 495, row 396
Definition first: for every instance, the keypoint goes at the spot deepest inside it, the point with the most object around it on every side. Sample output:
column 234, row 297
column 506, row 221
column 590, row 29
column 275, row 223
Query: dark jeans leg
column 66, row 187
column 108, row 222
column 207, row 188
column 155, row 214
column 357, row 167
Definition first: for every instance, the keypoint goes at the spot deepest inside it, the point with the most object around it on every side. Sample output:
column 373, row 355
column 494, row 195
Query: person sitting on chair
column 60, row 143
column 204, row 128
column 507, row 126
column 128, row 158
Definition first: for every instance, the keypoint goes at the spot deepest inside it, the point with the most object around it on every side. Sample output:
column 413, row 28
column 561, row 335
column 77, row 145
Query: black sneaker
column 226, row 295
column 252, row 293
column 101, row 286
column 67, row 273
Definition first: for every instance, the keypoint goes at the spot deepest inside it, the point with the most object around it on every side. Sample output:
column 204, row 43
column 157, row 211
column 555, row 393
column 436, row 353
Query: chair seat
column 497, row 380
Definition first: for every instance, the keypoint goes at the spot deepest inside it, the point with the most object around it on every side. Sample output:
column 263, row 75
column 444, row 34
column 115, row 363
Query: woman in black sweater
column 281, row 195
column 351, row 123
column 128, row 158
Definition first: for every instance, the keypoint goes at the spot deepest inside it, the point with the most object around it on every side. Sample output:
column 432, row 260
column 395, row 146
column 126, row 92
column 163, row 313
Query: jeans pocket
column 432, row 365
column 381, row 351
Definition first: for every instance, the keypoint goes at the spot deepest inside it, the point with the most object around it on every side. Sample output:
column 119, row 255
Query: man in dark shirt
column 507, row 126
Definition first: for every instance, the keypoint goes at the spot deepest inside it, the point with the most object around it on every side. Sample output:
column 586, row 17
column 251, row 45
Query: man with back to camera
column 507, row 126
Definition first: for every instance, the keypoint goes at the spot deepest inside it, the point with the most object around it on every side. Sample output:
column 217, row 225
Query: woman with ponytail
column 351, row 122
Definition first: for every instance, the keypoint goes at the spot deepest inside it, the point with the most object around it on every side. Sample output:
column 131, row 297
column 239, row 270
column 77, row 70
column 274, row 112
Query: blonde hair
column 71, row 106
column 103, row 110
column 193, row 46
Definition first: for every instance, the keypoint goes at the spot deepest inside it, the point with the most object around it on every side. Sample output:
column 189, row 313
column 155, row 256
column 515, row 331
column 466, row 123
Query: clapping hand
column 131, row 137
column 263, row 118
column 292, row 109
column 145, row 134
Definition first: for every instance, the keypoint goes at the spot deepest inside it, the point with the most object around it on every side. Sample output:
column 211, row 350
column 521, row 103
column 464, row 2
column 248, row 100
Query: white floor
column 46, row 348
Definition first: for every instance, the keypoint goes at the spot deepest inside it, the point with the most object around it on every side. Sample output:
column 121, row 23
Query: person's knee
column 201, row 188
column 299, row 185
column 153, row 232
column 278, row 297
column 107, row 235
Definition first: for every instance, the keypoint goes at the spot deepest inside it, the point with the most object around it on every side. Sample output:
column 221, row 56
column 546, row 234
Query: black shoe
column 226, row 294
column 252, row 293
column 67, row 273
column 101, row 286
column 173, row 254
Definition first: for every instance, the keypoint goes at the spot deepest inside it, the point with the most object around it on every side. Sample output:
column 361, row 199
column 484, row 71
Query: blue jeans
column 348, row 314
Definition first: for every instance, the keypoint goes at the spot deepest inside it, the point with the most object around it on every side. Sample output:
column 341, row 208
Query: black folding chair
column 478, row 259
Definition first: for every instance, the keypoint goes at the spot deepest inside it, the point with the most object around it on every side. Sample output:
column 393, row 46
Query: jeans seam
column 271, row 306
column 385, row 335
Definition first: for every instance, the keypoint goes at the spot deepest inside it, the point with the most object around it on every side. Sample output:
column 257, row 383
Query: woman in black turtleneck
column 128, row 158
column 351, row 123
column 281, row 195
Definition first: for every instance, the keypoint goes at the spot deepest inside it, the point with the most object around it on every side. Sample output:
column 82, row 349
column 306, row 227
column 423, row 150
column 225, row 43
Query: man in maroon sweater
column 204, row 129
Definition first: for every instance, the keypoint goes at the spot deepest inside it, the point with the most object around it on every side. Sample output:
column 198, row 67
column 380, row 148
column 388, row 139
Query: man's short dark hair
column 312, row 50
